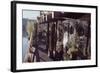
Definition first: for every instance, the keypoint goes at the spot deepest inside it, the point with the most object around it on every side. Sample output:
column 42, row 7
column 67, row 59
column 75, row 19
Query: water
column 24, row 47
